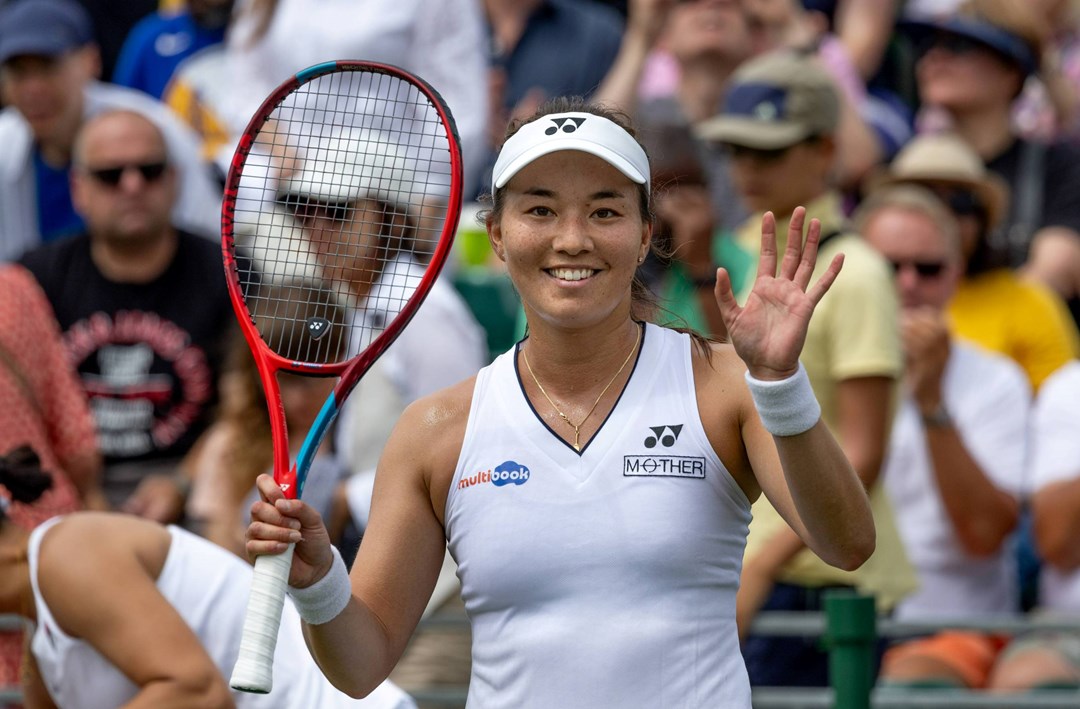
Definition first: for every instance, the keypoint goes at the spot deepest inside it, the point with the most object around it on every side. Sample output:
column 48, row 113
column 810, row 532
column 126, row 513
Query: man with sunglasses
column 778, row 122
column 143, row 309
column 971, row 67
column 49, row 62
column 956, row 466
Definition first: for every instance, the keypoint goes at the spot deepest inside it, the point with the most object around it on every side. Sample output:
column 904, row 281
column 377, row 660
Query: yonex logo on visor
column 586, row 132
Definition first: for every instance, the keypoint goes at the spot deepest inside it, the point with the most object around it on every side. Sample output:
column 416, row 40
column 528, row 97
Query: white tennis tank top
column 208, row 586
column 605, row 578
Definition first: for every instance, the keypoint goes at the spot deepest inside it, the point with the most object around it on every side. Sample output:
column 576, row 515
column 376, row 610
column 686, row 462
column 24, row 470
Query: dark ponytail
column 22, row 476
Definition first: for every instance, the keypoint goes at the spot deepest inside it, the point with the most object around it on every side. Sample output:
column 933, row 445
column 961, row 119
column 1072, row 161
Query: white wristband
column 323, row 600
column 787, row 407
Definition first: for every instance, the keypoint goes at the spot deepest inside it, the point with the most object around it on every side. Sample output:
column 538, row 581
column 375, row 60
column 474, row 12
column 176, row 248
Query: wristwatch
column 938, row 418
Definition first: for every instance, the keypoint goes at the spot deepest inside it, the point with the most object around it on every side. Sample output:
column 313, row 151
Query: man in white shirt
column 1052, row 657
column 955, row 467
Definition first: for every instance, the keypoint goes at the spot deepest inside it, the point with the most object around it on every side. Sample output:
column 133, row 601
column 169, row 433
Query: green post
column 851, row 639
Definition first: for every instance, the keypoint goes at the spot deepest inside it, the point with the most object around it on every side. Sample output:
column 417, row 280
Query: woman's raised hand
column 768, row 332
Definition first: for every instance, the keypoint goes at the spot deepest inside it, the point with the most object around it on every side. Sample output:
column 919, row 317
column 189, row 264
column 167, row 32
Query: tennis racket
column 343, row 196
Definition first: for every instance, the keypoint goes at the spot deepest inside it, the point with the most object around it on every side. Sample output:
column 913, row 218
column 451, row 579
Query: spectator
column 991, row 307
column 779, row 120
column 695, row 197
column 442, row 344
column 957, row 451
column 42, row 409
column 48, row 61
column 871, row 129
column 237, row 448
column 1051, row 658
column 270, row 40
column 156, row 46
column 1049, row 107
column 129, row 613
column 143, row 308
column 972, row 68
column 541, row 49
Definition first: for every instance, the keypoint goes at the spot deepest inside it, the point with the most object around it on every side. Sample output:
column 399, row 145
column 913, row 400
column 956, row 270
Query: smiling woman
column 588, row 473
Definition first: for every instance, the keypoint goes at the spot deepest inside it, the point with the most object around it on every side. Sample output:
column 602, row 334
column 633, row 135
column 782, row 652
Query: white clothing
column 208, row 587
column 604, row 578
column 198, row 203
column 1056, row 457
column 441, row 41
column 989, row 399
column 442, row 345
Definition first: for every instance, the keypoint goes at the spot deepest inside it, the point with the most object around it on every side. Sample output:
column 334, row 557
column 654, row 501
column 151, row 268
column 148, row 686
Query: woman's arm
column 794, row 458
column 103, row 592
column 401, row 554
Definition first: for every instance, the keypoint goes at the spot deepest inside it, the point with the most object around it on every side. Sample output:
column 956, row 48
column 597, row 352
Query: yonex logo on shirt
column 664, row 435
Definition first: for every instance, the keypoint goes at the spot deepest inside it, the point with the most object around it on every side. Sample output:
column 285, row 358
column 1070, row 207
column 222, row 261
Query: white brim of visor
column 586, row 132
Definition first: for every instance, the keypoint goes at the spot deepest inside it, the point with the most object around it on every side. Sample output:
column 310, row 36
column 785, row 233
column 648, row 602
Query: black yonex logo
column 318, row 327
column 666, row 440
column 566, row 125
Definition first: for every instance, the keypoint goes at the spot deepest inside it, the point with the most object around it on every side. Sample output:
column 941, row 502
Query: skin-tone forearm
column 353, row 650
column 1057, row 523
column 864, row 27
column 644, row 25
column 829, row 500
column 981, row 514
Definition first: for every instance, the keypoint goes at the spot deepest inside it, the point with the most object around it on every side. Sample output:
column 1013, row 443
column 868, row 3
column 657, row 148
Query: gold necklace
column 564, row 417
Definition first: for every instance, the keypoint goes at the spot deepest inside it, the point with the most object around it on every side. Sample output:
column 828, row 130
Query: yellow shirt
column 1022, row 320
column 854, row 333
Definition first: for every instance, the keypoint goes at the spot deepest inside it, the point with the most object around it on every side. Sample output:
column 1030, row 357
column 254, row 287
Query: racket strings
column 340, row 203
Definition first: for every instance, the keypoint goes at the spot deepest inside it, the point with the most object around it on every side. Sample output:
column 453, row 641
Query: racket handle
column 254, row 669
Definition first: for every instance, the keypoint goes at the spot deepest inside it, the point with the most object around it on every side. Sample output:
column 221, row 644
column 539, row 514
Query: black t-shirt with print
column 148, row 354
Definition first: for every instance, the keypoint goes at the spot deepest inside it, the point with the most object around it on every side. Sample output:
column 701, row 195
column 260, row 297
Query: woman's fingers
column 809, row 256
column 793, row 250
column 767, row 257
column 825, row 282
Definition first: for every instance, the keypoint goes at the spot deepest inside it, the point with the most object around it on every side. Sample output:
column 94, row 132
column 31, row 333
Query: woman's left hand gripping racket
column 343, row 196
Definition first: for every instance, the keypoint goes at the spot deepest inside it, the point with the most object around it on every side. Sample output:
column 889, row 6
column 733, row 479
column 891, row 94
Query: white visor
column 586, row 132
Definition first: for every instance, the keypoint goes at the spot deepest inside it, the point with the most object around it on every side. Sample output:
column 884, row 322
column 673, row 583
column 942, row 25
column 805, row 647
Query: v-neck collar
column 599, row 431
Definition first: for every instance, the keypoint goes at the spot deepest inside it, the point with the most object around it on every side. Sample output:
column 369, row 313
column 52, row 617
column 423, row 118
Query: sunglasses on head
column 925, row 269
column 111, row 176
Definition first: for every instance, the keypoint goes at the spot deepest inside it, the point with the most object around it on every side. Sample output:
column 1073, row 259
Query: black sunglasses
column 305, row 209
column 111, row 176
column 925, row 269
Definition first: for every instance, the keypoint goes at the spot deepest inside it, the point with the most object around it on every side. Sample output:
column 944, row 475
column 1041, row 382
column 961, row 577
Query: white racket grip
column 254, row 666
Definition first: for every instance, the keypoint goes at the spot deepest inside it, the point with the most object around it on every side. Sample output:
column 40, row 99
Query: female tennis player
column 132, row 614
column 594, row 483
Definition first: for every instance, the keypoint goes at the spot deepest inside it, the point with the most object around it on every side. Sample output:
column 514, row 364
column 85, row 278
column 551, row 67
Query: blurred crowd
column 937, row 141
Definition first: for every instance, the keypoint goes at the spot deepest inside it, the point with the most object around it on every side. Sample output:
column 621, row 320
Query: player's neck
column 574, row 362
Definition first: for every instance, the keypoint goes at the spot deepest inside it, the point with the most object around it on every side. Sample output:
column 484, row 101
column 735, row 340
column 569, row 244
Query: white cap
column 352, row 165
column 586, row 132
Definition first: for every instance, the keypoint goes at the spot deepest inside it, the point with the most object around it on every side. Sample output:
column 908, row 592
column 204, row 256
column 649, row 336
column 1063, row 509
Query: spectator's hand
column 158, row 498
column 925, row 338
column 498, row 115
column 277, row 522
column 769, row 331
column 646, row 19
